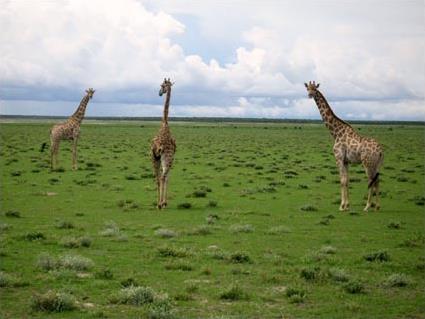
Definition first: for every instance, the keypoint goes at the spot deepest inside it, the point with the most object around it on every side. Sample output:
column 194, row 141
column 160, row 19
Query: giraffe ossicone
column 350, row 148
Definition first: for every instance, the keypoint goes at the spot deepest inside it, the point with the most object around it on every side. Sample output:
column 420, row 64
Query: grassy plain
column 252, row 229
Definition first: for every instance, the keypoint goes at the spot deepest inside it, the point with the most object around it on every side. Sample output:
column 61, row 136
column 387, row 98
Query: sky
column 228, row 58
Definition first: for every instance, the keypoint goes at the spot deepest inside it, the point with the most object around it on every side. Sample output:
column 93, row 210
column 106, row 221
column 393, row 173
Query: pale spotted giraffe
column 69, row 130
column 350, row 147
column 163, row 148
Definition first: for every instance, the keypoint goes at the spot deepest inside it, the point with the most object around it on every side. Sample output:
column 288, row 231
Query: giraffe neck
column 332, row 122
column 79, row 113
column 166, row 106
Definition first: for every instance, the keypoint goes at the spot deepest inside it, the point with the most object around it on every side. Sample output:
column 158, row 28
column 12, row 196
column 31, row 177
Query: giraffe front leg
column 74, row 153
column 54, row 152
column 377, row 200
column 165, row 163
column 343, row 171
column 156, row 169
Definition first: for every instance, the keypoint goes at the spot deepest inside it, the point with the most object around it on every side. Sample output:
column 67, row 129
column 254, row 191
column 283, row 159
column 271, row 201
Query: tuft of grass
column 380, row 256
column 179, row 266
column 278, row 230
column 105, row 273
column 35, row 235
column 397, row 280
column 233, row 293
column 75, row 262
column 9, row 281
column 212, row 218
column 135, row 296
column 128, row 282
column 295, row 295
column 354, row 287
column 311, row 273
column 4, row 227
column 63, row 224
column 394, row 225
column 165, row 233
column 12, row 214
column 167, row 251
column 47, row 262
column 185, row 205
column 237, row 228
column 239, row 258
column 212, row 204
column 338, row 274
column 200, row 230
column 111, row 229
column 53, row 301
column 329, row 250
column 308, row 208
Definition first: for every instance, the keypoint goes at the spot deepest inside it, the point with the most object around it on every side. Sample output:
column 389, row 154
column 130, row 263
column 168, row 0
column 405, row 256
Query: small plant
column 7, row 280
column 104, row 274
column 128, row 282
column 179, row 266
column 172, row 252
column 46, row 262
column 75, row 262
column 53, row 301
column 233, row 293
column 135, row 295
column 63, row 224
column 308, row 208
column 212, row 204
column 200, row 230
column 394, row 225
column 310, row 273
column 12, row 214
column 380, row 256
column 237, row 228
column 199, row 193
column 397, row 280
column 239, row 258
column 111, row 229
column 212, row 218
column 278, row 230
column 295, row 295
column 329, row 250
column 354, row 287
column 36, row 235
column 184, row 205
column 70, row 242
column 165, row 233
column 338, row 274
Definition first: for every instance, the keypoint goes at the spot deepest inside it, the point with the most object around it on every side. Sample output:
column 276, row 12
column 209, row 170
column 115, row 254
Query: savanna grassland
column 252, row 229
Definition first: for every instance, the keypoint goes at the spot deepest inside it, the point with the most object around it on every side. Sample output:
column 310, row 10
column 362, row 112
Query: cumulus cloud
column 54, row 49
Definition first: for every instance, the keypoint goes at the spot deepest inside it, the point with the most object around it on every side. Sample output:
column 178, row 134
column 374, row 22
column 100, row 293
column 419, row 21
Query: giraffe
column 163, row 148
column 350, row 148
column 69, row 130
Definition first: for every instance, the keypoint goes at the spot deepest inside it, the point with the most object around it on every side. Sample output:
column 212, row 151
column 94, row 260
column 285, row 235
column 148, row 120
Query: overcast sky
column 237, row 58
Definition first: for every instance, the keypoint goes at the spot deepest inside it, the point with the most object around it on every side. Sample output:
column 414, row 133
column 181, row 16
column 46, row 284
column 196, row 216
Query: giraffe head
column 90, row 92
column 312, row 88
column 165, row 86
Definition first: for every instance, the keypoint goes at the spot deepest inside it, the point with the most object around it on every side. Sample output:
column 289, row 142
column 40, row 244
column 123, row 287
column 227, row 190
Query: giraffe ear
column 305, row 84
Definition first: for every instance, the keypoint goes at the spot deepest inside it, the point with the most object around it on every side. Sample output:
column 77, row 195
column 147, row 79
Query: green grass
column 251, row 230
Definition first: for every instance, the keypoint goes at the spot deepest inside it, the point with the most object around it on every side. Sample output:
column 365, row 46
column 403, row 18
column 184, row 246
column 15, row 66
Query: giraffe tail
column 43, row 147
column 373, row 181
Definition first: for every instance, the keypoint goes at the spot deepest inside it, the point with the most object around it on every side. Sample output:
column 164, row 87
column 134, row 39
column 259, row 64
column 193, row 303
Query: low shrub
column 233, row 293
column 53, row 301
column 380, row 256
column 397, row 280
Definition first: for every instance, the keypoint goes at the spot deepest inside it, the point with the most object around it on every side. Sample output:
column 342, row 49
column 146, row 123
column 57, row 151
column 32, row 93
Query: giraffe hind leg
column 156, row 170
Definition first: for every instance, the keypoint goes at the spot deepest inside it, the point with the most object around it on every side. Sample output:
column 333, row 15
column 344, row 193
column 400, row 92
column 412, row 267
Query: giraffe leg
column 343, row 174
column 371, row 172
column 377, row 200
column 74, row 153
column 165, row 163
column 156, row 170
column 54, row 152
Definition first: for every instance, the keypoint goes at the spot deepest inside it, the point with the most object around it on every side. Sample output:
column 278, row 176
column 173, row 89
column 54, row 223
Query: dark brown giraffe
column 350, row 147
column 163, row 148
column 69, row 130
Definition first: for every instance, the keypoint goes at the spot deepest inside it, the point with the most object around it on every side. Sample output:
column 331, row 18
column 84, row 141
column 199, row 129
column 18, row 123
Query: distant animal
column 68, row 130
column 350, row 147
column 163, row 148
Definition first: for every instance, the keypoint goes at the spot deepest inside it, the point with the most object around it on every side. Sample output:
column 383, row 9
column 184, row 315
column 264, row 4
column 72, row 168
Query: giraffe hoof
column 366, row 209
